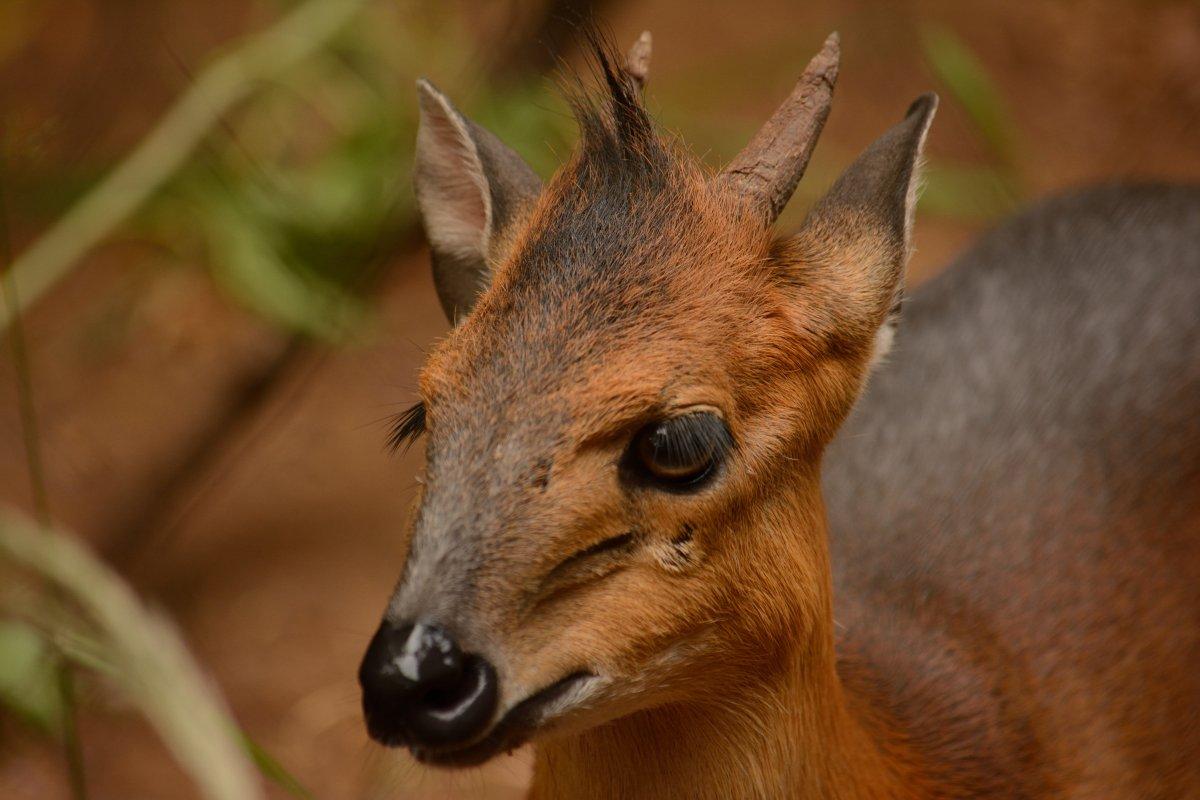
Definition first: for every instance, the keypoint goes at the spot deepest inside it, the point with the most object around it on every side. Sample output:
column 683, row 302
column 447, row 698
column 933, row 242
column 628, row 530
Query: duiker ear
column 855, row 243
column 471, row 187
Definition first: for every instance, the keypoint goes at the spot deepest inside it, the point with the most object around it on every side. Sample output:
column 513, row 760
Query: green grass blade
column 27, row 678
column 969, row 84
column 273, row 770
column 153, row 665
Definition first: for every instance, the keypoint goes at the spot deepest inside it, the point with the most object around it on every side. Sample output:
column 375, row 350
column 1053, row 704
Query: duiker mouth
column 517, row 725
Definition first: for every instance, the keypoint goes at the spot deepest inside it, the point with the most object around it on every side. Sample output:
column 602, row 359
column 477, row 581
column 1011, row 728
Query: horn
column 637, row 63
column 767, row 170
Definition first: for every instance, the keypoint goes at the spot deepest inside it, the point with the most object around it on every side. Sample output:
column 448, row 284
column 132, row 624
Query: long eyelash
column 407, row 426
column 697, row 436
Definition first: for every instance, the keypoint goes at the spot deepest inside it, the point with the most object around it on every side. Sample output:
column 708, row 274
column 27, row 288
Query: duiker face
column 641, row 377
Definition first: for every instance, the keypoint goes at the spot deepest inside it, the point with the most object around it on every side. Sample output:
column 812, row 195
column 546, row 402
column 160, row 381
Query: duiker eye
column 680, row 452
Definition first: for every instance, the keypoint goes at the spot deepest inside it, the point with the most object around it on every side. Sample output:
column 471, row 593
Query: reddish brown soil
column 278, row 560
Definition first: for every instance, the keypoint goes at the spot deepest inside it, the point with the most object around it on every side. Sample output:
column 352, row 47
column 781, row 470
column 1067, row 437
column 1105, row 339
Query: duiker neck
column 791, row 734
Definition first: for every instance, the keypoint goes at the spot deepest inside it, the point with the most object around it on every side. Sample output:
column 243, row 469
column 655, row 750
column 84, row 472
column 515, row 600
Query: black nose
column 420, row 689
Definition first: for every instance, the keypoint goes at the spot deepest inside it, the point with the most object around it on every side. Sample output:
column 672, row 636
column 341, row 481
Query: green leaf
column 967, row 192
column 250, row 265
column 531, row 118
column 970, row 85
column 273, row 770
column 151, row 663
column 28, row 685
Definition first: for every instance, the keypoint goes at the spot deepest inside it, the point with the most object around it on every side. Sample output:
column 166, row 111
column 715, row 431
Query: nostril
column 418, row 686
column 447, row 696
column 455, row 712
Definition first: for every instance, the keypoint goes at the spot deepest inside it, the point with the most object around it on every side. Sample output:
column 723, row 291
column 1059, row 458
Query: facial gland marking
column 678, row 554
column 592, row 562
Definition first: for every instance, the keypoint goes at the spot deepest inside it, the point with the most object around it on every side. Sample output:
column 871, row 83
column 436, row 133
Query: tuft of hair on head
column 616, row 132
column 406, row 428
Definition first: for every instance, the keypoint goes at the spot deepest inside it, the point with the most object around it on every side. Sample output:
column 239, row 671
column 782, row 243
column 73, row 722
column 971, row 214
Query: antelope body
column 641, row 545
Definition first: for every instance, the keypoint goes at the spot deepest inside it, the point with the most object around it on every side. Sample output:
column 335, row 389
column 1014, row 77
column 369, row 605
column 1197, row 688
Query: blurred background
column 216, row 294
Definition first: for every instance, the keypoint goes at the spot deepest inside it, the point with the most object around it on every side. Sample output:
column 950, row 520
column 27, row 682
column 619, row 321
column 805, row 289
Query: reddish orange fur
column 721, row 676
column 756, row 707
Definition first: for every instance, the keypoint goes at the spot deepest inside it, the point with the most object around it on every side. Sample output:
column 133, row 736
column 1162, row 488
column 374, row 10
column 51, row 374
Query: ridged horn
column 768, row 169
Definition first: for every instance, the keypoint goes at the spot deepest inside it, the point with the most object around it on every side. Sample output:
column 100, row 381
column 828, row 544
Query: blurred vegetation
column 985, row 191
column 300, row 196
column 296, row 196
column 968, row 82
column 96, row 622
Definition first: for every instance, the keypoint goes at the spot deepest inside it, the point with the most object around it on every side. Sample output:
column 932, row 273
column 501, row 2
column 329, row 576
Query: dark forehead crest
column 484, row 208
column 608, row 209
column 617, row 138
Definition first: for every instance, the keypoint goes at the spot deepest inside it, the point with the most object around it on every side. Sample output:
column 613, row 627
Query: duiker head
column 625, row 424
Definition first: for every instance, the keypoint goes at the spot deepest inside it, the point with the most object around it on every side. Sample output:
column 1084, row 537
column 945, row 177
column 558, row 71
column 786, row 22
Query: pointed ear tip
column 431, row 100
column 426, row 92
column 924, row 106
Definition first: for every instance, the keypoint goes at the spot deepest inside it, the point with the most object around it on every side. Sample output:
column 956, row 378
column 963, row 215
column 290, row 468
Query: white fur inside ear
column 452, row 190
column 916, row 180
column 884, row 338
column 886, row 335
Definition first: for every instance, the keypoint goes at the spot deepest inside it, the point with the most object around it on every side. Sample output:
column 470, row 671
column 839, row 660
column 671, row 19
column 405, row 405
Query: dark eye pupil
column 681, row 450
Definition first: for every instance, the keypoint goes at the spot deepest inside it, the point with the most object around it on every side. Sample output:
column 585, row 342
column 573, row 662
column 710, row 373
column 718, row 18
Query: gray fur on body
column 1024, row 471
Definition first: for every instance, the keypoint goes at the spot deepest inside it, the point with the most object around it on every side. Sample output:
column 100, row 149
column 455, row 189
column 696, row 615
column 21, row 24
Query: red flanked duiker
column 621, row 549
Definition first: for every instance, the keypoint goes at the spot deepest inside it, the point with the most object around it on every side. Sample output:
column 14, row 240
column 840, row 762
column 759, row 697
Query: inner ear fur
column 848, row 257
column 471, row 188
